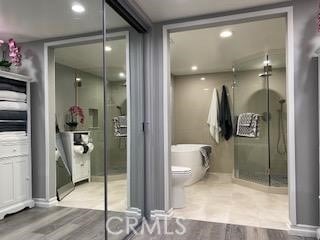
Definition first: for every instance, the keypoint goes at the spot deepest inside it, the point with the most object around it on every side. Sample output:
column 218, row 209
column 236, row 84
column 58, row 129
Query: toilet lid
column 180, row 170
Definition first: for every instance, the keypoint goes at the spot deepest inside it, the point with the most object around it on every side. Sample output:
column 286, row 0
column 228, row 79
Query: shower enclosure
column 259, row 86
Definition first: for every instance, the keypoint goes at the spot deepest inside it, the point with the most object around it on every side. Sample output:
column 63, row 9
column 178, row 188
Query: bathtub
column 188, row 155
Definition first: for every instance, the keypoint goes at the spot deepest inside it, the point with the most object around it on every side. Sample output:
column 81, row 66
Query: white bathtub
column 188, row 155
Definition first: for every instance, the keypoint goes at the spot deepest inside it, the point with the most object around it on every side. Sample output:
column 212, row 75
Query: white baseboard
column 44, row 203
column 303, row 230
column 161, row 214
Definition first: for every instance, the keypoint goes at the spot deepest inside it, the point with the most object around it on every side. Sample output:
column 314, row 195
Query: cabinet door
column 6, row 182
column 20, row 178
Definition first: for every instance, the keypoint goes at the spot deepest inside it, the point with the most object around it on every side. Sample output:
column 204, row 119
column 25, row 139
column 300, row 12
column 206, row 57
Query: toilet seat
column 176, row 170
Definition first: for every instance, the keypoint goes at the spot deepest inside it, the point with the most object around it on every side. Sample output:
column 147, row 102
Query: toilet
column 180, row 175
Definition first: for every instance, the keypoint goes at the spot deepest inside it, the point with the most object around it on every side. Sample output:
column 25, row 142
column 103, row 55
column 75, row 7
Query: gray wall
column 306, row 41
column 305, row 34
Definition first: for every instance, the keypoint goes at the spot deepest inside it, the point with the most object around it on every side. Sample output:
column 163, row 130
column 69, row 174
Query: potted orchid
column 11, row 50
column 75, row 115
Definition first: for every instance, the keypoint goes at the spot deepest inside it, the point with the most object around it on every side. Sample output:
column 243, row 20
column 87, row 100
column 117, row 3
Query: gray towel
column 13, row 115
column 205, row 152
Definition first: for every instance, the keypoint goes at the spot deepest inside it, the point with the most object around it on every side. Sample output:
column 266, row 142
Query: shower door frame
column 224, row 20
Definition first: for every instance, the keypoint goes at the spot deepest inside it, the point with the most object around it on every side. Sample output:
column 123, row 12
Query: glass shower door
column 251, row 96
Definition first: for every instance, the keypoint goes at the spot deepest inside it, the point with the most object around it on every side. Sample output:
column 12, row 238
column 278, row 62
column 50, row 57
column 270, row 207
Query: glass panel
column 278, row 119
column 124, row 131
column 250, row 96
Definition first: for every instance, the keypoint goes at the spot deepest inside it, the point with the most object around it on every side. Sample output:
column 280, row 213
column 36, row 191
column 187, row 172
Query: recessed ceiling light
column 122, row 75
column 194, row 68
column 78, row 79
column 78, row 8
column 206, row 89
column 202, row 79
column 108, row 48
column 226, row 34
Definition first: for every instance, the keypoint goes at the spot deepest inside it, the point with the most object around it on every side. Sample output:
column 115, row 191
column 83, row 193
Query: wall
column 191, row 108
column 306, row 41
column 90, row 96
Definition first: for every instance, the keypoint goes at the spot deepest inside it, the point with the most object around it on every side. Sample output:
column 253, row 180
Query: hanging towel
column 12, row 96
column 225, row 120
column 213, row 117
column 13, row 106
column 245, row 130
column 205, row 153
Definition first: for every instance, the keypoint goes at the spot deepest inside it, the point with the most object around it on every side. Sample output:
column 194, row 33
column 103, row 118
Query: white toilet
column 179, row 176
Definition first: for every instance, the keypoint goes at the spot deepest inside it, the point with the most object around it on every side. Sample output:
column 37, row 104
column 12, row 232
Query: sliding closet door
column 124, row 116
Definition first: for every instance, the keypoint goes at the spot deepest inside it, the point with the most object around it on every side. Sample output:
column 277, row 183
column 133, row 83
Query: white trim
column 55, row 44
column 161, row 214
column 288, row 11
column 303, row 230
column 44, row 203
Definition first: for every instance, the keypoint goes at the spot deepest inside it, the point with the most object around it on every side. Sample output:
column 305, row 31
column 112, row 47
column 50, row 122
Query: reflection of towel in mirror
column 213, row 116
column 205, row 152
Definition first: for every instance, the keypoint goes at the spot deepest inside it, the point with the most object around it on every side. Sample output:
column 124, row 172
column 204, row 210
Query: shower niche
column 259, row 87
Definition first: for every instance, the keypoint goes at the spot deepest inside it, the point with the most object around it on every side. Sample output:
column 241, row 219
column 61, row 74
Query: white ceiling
column 88, row 58
column 162, row 10
column 27, row 20
column 211, row 53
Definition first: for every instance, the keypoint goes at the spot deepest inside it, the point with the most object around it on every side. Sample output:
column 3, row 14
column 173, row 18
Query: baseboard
column 303, row 230
column 44, row 203
column 161, row 214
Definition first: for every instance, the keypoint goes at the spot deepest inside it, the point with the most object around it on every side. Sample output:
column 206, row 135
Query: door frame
column 286, row 12
column 50, row 102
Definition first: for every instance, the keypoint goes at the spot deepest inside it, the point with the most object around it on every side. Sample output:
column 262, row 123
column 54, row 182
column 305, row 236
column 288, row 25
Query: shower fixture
column 281, row 144
column 267, row 71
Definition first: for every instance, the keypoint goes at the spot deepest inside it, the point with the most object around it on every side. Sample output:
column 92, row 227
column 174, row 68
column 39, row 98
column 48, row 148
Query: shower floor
column 276, row 180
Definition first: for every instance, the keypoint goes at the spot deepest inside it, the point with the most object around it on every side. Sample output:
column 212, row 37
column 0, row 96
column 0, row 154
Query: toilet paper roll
column 91, row 147
column 78, row 149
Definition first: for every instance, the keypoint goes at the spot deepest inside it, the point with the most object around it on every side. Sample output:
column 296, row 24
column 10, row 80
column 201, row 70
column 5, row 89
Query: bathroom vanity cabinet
column 15, row 161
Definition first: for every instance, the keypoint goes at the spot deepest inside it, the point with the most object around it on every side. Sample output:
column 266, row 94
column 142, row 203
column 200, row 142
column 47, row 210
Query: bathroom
column 245, row 175
column 81, row 84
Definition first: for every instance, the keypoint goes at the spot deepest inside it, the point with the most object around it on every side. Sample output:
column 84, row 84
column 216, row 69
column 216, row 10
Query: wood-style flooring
column 60, row 223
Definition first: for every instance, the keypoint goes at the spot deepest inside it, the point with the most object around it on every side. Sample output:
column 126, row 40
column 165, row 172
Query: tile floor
column 91, row 196
column 217, row 199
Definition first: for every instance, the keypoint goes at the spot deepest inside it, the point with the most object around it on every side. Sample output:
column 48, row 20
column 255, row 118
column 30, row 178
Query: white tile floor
column 217, row 199
column 91, row 196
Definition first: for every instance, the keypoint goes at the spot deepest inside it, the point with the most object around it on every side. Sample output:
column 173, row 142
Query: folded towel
column 8, row 126
column 12, row 82
column 12, row 87
column 250, row 131
column 8, row 134
column 205, row 153
column 13, row 106
column 12, row 96
column 13, row 115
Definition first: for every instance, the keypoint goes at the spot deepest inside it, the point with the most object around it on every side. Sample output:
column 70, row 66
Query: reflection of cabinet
column 77, row 162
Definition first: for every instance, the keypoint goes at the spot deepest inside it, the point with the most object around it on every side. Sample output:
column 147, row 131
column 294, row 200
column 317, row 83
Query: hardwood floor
column 60, row 223
column 198, row 230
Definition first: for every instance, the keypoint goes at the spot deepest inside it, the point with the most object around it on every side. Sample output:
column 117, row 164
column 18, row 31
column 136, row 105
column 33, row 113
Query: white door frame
column 226, row 20
column 71, row 41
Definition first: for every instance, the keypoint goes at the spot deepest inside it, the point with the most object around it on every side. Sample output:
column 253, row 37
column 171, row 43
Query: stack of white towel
column 13, row 108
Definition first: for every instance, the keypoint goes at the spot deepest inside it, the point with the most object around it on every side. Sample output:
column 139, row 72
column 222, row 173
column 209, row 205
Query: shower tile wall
column 90, row 97
column 190, row 111
column 191, row 106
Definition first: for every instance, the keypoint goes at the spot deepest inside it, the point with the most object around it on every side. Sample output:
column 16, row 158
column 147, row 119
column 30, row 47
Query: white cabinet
column 15, row 162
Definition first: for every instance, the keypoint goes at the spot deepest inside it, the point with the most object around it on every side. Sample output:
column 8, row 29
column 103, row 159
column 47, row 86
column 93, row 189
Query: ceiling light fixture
column 194, row 68
column 206, row 89
column 202, row 79
column 266, row 62
column 226, row 34
column 108, row 48
column 122, row 75
column 78, row 8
